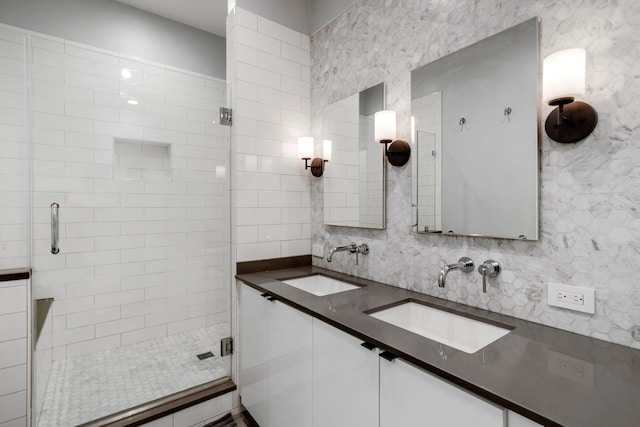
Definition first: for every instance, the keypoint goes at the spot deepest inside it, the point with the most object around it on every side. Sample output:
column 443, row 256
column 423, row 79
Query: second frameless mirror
column 475, row 164
column 354, row 180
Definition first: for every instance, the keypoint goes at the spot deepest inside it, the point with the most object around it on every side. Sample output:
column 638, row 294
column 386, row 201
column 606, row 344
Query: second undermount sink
column 455, row 330
column 319, row 285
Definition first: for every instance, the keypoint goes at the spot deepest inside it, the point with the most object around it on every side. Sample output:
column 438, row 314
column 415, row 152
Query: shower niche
column 141, row 160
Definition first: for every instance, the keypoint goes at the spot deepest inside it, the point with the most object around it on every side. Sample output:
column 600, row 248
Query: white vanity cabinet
column 345, row 379
column 298, row 371
column 254, row 353
column 410, row 396
column 353, row 386
column 14, row 363
column 275, row 361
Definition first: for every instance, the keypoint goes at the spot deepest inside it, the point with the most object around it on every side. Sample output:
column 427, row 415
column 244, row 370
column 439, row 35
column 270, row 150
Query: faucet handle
column 361, row 249
column 489, row 268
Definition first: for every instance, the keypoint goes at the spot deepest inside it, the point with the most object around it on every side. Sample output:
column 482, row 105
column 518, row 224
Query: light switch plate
column 317, row 250
column 572, row 297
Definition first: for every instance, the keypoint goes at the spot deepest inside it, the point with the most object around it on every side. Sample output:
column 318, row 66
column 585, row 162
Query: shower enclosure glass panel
column 133, row 154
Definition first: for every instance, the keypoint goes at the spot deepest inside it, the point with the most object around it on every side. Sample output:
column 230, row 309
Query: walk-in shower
column 134, row 157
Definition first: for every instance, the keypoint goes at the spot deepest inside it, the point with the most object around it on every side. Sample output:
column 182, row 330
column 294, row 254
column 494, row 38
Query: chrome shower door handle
column 55, row 234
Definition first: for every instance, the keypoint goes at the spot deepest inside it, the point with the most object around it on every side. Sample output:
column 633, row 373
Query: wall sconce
column 563, row 81
column 398, row 152
column 305, row 152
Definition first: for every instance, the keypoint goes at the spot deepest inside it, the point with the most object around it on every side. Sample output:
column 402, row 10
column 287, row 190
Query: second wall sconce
column 564, row 81
column 398, row 152
column 305, row 152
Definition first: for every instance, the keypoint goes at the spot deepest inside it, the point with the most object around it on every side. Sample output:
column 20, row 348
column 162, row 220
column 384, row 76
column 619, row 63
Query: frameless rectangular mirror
column 475, row 162
column 354, row 179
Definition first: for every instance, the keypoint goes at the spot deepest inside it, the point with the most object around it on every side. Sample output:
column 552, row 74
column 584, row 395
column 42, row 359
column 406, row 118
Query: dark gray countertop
column 551, row 376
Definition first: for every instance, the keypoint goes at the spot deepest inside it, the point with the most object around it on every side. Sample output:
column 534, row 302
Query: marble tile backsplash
column 590, row 221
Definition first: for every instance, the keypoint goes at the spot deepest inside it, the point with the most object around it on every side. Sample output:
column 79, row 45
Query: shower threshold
column 166, row 405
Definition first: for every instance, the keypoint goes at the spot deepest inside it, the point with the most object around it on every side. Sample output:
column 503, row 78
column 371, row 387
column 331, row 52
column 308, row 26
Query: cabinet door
column 13, row 353
column 290, row 368
column 345, row 379
column 410, row 396
column 254, row 353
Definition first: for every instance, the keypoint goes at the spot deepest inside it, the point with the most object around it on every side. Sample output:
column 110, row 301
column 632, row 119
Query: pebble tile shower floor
column 95, row 385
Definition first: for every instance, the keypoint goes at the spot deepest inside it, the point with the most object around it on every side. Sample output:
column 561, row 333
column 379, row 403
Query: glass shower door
column 133, row 154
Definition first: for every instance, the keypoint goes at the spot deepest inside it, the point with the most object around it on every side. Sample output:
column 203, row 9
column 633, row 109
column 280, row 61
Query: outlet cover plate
column 317, row 250
column 572, row 297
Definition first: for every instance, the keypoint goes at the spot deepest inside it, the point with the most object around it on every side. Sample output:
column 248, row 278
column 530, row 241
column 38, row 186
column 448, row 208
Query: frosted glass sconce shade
column 563, row 81
column 326, row 150
column 564, row 75
column 385, row 126
column 305, row 147
column 399, row 152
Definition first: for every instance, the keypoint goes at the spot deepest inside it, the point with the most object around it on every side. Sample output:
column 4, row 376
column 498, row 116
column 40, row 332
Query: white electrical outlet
column 317, row 250
column 572, row 297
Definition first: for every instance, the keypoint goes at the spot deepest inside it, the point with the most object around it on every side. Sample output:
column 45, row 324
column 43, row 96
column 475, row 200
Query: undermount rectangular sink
column 319, row 285
column 457, row 331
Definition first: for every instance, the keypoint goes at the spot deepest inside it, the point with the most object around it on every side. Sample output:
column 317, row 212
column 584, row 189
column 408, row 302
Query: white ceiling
column 206, row 15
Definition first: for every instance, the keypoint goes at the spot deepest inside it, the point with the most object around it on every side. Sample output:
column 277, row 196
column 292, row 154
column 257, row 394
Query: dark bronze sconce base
column 317, row 167
column 398, row 152
column 571, row 122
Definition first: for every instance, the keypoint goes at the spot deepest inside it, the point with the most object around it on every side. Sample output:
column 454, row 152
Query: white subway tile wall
column 13, row 352
column 268, row 71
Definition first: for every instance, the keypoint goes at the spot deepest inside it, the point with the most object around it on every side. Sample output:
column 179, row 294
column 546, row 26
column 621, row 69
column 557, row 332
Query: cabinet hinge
column 226, row 346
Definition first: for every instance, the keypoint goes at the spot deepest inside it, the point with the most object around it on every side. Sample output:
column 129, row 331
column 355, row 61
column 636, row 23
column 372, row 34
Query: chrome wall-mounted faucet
column 489, row 268
column 352, row 248
column 465, row 264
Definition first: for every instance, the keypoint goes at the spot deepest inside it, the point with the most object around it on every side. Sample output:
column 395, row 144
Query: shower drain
column 206, row 355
